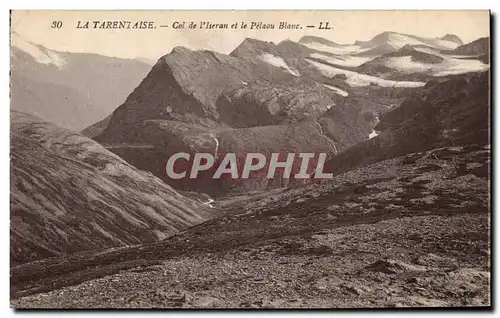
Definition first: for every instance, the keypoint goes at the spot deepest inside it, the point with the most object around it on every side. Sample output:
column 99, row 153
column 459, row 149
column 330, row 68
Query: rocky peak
column 382, row 38
column 452, row 38
column 251, row 47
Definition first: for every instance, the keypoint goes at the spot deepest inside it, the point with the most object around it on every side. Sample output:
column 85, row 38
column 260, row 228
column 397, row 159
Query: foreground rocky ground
column 410, row 231
column 394, row 263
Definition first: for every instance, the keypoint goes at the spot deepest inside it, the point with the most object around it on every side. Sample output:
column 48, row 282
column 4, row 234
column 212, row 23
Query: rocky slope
column 452, row 38
column 452, row 113
column 383, row 43
column 97, row 128
column 72, row 90
column 69, row 194
column 410, row 231
column 478, row 47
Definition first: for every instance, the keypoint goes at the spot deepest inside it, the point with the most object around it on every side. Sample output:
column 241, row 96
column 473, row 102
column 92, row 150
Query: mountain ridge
column 69, row 194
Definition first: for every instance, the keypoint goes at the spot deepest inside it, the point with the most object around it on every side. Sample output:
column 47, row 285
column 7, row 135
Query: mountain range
column 72, row 90
column 266, row 97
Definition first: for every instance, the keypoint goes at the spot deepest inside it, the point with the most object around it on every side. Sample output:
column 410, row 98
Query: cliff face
column 69, row 194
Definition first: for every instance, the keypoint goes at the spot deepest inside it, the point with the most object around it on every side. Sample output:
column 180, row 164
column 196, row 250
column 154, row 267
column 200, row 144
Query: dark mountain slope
column 398, row 40
column 416, row 56
column 451, row 113
column 478, row 47
column 69, row 194
column 316, row 39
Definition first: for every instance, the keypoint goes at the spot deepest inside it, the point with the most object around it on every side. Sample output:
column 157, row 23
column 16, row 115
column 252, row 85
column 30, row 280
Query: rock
column 387, row 266
column 435, row 260
column 477, row 47
column 428, row 302
column 252, row 304
column 353, row 290
column 415, row 237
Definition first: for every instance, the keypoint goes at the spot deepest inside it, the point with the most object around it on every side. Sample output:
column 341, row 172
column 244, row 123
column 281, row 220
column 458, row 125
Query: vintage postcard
column 250, row 159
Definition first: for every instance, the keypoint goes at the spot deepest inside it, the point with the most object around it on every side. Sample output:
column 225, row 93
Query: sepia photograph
column 250, row 159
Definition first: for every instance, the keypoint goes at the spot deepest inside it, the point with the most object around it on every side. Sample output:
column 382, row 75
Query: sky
column 346, row 27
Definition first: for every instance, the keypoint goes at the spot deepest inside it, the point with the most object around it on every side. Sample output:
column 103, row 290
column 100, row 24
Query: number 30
column 56, row 24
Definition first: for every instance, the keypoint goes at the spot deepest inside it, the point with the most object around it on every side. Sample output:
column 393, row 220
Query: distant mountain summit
column 249, row 47
column 452, row 38
column 38, row 52
column 416, row 55
column 315, row 39
column 399, row 40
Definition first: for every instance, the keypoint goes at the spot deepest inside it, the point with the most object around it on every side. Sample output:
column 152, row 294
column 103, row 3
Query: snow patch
column 372, row 134
column 399, row 40
column 278, row 62
column 449, row 66
column 209, row 202
column 216, row 144
column 338, row 50
column 428, row 50
column 463, row 56
column 39, row 53
column 344, row 60
column 337, row 90
column 358, row 79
